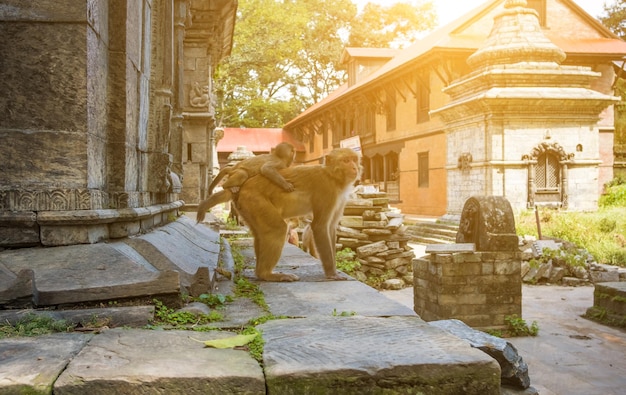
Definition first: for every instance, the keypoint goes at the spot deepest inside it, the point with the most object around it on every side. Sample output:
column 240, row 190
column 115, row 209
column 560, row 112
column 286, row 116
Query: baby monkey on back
column 267, row 164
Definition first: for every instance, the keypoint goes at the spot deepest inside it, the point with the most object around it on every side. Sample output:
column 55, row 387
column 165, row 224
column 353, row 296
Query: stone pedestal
column 478, row 288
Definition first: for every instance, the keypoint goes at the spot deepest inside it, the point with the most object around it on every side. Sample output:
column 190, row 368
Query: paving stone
column 134, row 361
column 87, row 273
column 306, row 299
column 357, row 355
column 30, row 365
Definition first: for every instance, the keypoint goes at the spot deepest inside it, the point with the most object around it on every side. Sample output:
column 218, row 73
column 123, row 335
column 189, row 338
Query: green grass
column 34, row 325
column 602, row 233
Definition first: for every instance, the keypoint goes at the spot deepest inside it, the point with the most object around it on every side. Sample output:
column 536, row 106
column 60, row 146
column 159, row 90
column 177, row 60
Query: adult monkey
column 320, row 190
column 266, row 164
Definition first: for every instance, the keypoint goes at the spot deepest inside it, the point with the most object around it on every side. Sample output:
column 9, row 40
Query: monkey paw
column 336, row 277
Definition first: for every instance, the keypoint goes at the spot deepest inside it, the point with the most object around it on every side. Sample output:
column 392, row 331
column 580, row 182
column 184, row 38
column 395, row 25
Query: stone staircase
column 431, row 231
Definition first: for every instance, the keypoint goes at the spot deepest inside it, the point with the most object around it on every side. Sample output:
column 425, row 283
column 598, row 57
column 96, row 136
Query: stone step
column 432, row 232
column 609, row 303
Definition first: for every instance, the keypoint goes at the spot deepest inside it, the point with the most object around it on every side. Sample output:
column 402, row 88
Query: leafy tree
column 615, row 17
column 249, row 83
column 393, row 26
column 285, row 53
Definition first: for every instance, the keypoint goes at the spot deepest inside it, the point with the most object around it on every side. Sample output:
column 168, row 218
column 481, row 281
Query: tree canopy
column 615, row 17
column 285, row 54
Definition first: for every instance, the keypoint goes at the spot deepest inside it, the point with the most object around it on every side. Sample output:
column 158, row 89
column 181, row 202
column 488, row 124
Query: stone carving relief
column 199, row 96
column 464, row 161
column 544, row 147
column 51, row 200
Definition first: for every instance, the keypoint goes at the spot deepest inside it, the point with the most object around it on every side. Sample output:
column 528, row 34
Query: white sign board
column 352, row 142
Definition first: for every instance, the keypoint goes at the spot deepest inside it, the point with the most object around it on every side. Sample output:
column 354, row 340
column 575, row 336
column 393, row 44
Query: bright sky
column 449, row 10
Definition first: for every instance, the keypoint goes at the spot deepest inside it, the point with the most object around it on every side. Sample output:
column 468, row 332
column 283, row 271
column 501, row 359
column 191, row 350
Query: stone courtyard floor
column 571, row 355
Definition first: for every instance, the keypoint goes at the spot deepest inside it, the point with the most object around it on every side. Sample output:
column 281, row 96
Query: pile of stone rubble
column 560, row 262
column 376, row 234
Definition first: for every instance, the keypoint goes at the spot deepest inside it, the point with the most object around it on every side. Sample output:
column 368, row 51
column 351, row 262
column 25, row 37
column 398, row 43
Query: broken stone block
column 359, row 203
column 395, row 223
column 393, row 284
column 377, row 232
column 350, row 233
column 371, row 249
column 17, row 291
column 514, row 371
column 352, row 221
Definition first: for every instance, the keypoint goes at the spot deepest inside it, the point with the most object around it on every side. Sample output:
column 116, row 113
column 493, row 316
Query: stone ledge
column 82, row 217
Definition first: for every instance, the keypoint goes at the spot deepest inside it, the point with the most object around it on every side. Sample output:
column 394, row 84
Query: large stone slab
column 30, row 365
column 135, row 361
column 87, row 273
column 368, row 355
column 182, row 245
column 514, row 369
column 179, row 254
column 307, row 299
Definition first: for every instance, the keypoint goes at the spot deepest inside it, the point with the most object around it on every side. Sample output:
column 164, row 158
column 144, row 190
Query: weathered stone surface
column 514, row 369
column 374, row 224
column 351, row 221
column 84, row 273
column 359, row 203
column 508, row 390
column 18, row 228
column 371, row 249
column 134, row 361
column 604, row 276
column 343, row 231
column 373, row 215
column 395, row 223
column 377, row 232
column 488, row 222
column 350, row 243
column 611, row 296
column 450, row 248
column 479, row 288
column 46, row 356
column 380, row 201
column 307, row 299
column 393, row 283
column 397, row 262
column 356, row 355
column 17, row 291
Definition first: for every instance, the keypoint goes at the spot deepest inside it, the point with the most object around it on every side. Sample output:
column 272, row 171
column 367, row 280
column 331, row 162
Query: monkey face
column 346, row 164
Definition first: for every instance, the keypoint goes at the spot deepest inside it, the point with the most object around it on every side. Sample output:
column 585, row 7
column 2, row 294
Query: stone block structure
column 479, row 288
column 96, row 99
column 609, row 303
column 478, row 280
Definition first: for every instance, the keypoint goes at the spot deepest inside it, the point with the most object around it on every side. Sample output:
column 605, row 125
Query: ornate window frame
column 564, row 158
